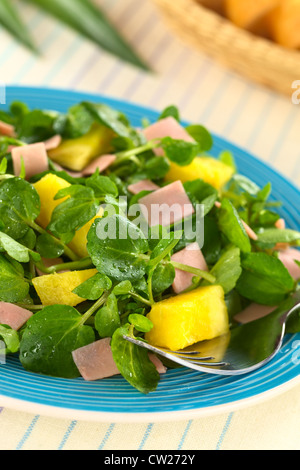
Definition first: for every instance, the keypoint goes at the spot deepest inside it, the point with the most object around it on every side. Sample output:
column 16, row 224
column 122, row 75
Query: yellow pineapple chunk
column 57, row 288
column 209, row 169
column 47, row 187
column 76, row 154
column 186, row 319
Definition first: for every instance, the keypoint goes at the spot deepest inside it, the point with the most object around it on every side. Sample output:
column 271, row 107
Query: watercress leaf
column 3, row 166
column 74, row 212
column 228, row 158
column 212, row 241
column 272, row 236
column 133, row 362
column 264, row 279
column 110, row 118
column 93, row 288
column 10, row 338
column 37, row 125
column 50, row 337
column 20, row 205
column 102, row 185
column 230, row 224
column 200, row 192
column 116, row 247
column 78, row 122
column 140, row 322
column 245, row 184
column 29, row 239
column 162, row 278
column 164, row 247
column 154, row 168
column 122, row 288
column 14, row 249
column 48, row 247
column 201, row 135
column 180, row 152
column 107, row 319
column 227, row 270
column 170, row 111
column 13, row 286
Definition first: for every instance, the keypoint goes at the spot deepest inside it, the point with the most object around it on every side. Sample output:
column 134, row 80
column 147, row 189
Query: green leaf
column 20, row 206
column 180, row 152
column 231, row 225
column 107, row 319
column 102, row 185
column 264, row 279
column 14, row 249
column 10, row 19
column 13, row 286
column 170, row 111
column 227, row 270
column 93, row 288
column 201, row 135
column 140, row 322
column 122, row 288
column 76, row 211
column 272, row 236
column 133, row 363
column 116, row 247
column 50, row 337
column 200, row 192
column 87, row 19
column 163, row 277
column 10, row 338
column 48, row 247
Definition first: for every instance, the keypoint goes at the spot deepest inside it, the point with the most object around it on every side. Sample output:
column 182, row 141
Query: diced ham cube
column 280, row 224
column 53, row 142
column 167, row 127
column 253, row 312
column 13, row 316
column 288, row 258
column 95, row 361
column 101, row 163
column 144, row 185
column 34, row 156
column 7, row 129
column 191, row 256
column 167, row 205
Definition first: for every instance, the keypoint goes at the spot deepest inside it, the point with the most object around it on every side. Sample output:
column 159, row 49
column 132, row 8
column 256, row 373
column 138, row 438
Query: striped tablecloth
column 264, row 123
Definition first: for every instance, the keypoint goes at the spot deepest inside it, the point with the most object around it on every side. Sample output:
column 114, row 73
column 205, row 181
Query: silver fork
column 240, row 351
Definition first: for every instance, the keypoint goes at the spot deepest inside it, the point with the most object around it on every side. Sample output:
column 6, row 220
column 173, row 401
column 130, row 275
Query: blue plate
column 182, row 393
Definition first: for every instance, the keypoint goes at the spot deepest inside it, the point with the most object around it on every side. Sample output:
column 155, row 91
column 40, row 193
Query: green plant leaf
column 10, row 19
column 133, row 362
column 87, row 19
column 107, row 319
column 231, row 225
column 13, row 286
column 93, row 288
column 50, row 337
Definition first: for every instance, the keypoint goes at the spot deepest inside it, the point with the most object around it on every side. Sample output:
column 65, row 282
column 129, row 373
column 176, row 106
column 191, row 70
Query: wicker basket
column 254, row 57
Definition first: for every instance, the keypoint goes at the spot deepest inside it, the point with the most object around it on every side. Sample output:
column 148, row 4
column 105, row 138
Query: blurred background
column 207, row 90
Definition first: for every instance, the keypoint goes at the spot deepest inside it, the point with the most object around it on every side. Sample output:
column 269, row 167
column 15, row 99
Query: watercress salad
column 127, row 275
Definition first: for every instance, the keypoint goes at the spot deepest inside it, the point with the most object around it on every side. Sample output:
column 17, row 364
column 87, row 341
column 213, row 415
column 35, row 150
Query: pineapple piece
column 186, row 319
column 57, row 288
column 47, row 187
column 79, row 242
column 209, row 169
column 76, row 154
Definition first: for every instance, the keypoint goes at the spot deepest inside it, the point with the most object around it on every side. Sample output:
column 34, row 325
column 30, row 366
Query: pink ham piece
column 251, row 234
column 95, row 361
column 280, row 224
column 34, row 156
column 101, row 163
column 144, row 185
column 191, row 256
column 253, row 312
column 13, row 316
column 288, row 258
column 167, row 205
column 167, row 127
column 7, row 129
column 53, row 142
